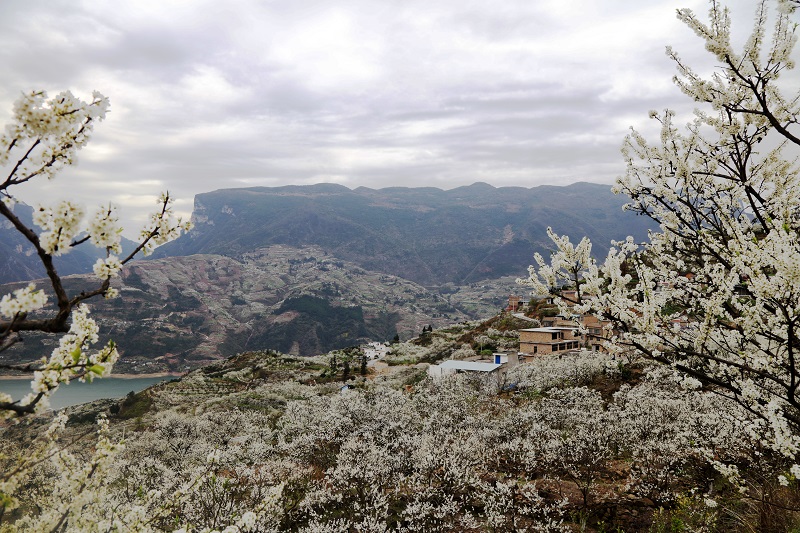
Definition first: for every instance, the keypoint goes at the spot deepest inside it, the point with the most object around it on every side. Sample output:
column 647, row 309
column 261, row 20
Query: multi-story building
column 548, row 340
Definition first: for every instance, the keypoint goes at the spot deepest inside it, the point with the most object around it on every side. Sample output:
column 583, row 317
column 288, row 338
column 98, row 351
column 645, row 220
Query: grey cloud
column 415, row 93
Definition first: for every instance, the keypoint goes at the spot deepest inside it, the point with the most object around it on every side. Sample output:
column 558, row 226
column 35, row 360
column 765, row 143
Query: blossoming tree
column 716, row 292
column 43, row 138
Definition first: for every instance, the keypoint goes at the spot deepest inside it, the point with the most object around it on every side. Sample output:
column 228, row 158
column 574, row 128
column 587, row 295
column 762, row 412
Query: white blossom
column 61, row 223
column 107, row 268
column 104, row 229
column 22, row 301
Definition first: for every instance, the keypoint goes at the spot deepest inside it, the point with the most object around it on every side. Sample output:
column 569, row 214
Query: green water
column 77, row 392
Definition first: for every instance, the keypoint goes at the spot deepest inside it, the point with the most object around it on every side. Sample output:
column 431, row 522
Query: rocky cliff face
column 426, row 235
column 183, row 312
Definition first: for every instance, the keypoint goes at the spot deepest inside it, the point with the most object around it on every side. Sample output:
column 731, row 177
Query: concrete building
column 548, row 340
column 509, row 358
column 596, row 332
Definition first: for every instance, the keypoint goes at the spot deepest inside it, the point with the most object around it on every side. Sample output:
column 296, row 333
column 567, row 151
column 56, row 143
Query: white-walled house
column 375, row 350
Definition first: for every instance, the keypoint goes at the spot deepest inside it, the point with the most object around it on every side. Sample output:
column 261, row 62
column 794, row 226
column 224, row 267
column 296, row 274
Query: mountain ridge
column 427, row 235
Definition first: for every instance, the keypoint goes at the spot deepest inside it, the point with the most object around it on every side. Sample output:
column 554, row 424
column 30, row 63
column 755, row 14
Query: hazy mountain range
column 304, row 270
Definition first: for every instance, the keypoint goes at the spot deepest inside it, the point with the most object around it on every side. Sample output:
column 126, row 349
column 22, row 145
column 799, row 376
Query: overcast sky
column 209, row 94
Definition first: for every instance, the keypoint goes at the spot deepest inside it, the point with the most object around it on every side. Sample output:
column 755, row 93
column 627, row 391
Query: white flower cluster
column 107, row 268
column 163, row 226
column 111, row 293
column 22, row 301
column 61, row 223
column 378, row 455
column 570, row 266
column 716, row 291
column 43, row 138
column 81, row 495
column 72, row 359
column 49, row 132
column 104, row 229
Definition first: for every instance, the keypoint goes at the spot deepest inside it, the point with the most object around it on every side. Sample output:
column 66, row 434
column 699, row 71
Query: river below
column 77, row 392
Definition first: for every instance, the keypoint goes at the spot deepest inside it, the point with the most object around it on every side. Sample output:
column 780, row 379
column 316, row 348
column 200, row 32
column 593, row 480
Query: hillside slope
column 179, row 313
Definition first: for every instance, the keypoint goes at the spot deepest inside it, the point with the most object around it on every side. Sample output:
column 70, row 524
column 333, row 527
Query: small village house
column 516, row 303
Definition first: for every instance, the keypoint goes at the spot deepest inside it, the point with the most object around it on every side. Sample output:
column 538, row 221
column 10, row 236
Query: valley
column 180, row 313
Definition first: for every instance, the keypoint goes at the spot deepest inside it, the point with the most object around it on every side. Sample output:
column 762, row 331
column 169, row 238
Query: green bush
column 135, row 405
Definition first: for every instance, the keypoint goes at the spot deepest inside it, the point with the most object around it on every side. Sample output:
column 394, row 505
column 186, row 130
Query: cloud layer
column 209, row 94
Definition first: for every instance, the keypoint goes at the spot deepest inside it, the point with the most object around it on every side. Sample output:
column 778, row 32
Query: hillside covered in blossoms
column 269, row 442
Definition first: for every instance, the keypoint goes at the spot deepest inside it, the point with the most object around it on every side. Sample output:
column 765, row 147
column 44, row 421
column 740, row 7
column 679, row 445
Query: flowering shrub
column 715, row 293
column 574, row 369
column 450, row 455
